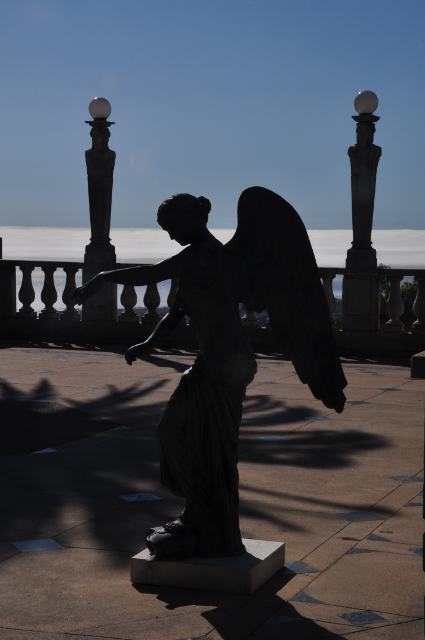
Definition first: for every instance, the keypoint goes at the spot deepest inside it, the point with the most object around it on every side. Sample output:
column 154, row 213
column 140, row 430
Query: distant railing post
column 128, row 300
column 70, row 312
column 395, row 305
column 151, row 301
column 419, row 307
column 49, row 295
column 26, row 293
column 100, row 253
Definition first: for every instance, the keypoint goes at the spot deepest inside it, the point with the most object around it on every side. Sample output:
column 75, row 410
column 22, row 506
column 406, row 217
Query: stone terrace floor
column 344, row 492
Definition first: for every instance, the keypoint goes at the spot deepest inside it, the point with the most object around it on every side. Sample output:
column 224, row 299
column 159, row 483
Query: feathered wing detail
column 276, row 270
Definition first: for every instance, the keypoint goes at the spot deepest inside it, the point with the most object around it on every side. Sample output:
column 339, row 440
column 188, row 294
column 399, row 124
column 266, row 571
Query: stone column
column 100, row 253
column 361, row 286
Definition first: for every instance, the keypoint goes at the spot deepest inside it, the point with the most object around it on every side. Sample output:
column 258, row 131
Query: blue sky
column 209, row 97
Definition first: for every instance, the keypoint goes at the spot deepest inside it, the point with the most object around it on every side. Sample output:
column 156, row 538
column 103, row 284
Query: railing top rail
column 410, row 271
column 42, row 263
column 327, row 271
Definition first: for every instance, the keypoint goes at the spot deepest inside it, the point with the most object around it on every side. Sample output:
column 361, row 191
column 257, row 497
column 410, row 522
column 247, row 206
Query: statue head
column 184, row 216
column 364, row 134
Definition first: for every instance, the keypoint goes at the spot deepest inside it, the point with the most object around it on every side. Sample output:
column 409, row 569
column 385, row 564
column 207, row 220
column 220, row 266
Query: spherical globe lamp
column 365, row 102
column 100, row 108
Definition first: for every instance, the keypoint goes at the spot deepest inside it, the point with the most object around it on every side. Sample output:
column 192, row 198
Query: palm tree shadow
column 39, row 491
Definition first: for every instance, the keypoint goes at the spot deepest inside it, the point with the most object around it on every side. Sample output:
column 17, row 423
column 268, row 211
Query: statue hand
column 136, row 351
column 81, row 294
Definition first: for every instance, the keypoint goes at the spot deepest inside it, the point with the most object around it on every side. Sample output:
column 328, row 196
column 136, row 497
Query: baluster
column 26, row 293
column 329, row 293
column 151, row 301
column 128, row 301
column 419, row 307
column 395, row 305
column 70, row 312
column 250, row 320
column 49, row 295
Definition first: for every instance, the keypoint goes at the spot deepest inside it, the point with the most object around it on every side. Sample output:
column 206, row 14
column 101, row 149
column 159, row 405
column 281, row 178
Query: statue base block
column 242, row 574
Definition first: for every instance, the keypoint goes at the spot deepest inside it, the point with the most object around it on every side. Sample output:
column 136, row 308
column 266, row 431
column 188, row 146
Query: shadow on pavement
column 263, row 614
column 79, row 489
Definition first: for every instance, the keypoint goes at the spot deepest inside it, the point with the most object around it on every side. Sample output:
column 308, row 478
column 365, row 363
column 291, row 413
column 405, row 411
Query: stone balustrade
column 22, row 320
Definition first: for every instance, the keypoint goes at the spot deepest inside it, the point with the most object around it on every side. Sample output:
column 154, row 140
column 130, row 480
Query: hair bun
column 205, row 204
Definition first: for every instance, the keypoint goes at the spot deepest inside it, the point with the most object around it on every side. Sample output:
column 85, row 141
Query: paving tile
column 373, row 536
column 358, row 575
column 139, row 497
column 362, row 617
column 45, row 544
column 300, row 567
column 406, row 479
column 304, row 597
column 355, row 550
column 410, row 630
column 321, row 612
column 359, row 516
column 404, row 527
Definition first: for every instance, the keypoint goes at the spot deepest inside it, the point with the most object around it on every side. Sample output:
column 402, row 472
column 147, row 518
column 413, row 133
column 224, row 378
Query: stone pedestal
column 243, row 574
column 361, row 290
column 417, row 368
column 102, row 307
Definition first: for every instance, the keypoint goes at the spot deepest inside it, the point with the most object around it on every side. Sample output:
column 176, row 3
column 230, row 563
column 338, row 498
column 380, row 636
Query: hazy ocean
column 395, row 247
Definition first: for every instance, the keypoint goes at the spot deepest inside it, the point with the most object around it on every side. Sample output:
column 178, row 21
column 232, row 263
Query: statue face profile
column 180, row 216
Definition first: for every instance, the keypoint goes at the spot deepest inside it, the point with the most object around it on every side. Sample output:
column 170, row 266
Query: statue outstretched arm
column 159, row 334
column 136, row 276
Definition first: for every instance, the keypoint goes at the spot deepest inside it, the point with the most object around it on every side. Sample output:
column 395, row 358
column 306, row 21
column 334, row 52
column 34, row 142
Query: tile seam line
column 101, row 549
column 367, row 627
column 100, row 515
column 401, row 615
column 348, row 524
column 161, row 617
column 392, row 491
column 9, row 557
column 64, row 633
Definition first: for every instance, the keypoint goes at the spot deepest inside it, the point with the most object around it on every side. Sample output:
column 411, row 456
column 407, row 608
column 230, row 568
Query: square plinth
column 243, row 574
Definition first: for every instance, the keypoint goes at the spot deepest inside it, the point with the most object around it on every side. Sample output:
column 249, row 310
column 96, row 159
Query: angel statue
column 268, row 264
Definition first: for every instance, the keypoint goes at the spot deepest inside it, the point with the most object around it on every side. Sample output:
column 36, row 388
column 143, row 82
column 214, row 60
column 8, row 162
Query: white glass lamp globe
column 365, row 102
column 100, row 108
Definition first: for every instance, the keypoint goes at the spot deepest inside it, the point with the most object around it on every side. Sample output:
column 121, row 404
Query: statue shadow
column 237, row 616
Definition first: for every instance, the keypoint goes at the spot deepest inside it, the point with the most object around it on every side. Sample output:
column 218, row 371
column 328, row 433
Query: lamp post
column 100, row 253
column 364, row 157
column 361, row 286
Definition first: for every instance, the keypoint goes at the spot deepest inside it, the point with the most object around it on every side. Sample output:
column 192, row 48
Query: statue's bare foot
column 181, row 524
column 175, row 540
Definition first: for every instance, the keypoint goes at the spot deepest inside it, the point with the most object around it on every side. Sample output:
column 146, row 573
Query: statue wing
column 276, row 270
